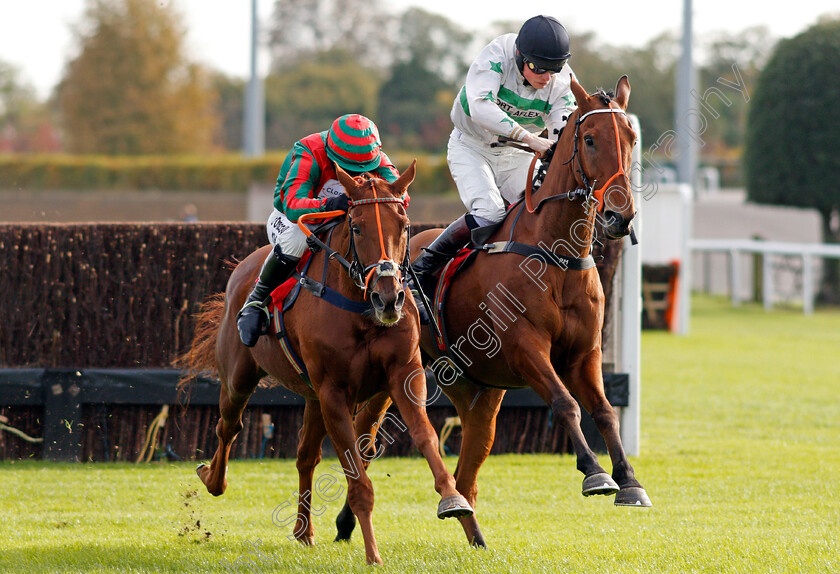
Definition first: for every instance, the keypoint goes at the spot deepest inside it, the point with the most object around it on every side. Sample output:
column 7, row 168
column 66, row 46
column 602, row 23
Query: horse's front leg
column 530, row 357
column 308, row 456
column 586, row 379
column 368, row 421
column 407, row 387
column 336, row 404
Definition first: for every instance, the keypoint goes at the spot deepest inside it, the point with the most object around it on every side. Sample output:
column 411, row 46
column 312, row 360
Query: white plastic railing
column 735, row 247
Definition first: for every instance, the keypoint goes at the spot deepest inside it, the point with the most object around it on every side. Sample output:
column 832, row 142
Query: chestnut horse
column 520, row 316
column 351, row 357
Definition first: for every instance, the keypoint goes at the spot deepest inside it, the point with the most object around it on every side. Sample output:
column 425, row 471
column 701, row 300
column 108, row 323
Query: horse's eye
column 589, row 141
column 406, row 228
column 357, row 230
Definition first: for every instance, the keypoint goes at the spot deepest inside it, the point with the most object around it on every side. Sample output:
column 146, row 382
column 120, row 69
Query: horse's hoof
column 478, row 542
column 632, row 496
column 345, row 522
column 454, row 506
column 198, row 470
column 601, row 483
column 214, row 491
column 473, row 532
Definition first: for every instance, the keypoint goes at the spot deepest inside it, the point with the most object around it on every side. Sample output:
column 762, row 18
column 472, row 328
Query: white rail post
column 767, row 280
column 735, row 277
column 684, row 283
column 630, row 346
column 807, row 284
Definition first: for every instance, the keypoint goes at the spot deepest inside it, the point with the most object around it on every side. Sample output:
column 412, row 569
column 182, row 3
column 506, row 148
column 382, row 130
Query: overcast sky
column 35, row 34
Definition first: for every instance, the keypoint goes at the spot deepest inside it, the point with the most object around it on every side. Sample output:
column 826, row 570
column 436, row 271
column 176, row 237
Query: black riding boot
column 441, row 250
column 252, row 320
column 444, row 248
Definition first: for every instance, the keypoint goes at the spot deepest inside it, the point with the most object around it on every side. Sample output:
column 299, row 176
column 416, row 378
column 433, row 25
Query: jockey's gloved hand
column 337, row 203
column 536, row 143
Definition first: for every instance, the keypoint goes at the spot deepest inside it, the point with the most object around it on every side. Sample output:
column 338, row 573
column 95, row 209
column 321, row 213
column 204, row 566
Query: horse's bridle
column 587, row 191
column 598, row 194
column 359, row 273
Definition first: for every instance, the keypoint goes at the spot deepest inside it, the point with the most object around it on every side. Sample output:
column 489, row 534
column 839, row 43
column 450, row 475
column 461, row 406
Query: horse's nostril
column 400, row 300
column 615, row 221
column 377, row 301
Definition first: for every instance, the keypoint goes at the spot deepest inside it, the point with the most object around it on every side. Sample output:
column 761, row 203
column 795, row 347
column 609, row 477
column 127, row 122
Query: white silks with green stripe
column 495, row 101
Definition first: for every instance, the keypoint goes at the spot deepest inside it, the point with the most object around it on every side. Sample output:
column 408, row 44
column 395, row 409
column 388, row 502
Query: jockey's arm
column 297, row 188
column 481, row 90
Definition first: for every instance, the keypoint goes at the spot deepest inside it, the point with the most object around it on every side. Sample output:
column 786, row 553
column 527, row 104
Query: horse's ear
column 580, row 94
column 346, row 181
column 622, row 92
column 404, row 180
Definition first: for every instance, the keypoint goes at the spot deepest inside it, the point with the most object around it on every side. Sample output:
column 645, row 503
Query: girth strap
column 561, row 261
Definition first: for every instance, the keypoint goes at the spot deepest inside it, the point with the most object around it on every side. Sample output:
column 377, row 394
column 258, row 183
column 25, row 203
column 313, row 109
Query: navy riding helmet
column 542, row 45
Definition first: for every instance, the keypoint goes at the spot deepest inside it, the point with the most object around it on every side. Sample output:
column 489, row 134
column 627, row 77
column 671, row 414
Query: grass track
column 740, row 455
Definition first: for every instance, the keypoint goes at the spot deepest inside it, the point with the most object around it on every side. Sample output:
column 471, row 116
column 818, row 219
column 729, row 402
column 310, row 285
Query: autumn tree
column 792, row 136
column 131, row 89
column 25, row 123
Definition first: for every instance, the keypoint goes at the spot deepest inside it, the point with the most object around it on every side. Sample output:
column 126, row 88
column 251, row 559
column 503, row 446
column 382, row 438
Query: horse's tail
column 200, row 359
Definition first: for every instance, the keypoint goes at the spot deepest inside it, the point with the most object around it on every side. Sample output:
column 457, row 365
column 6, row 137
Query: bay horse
column 528, row 310
column 351, row 357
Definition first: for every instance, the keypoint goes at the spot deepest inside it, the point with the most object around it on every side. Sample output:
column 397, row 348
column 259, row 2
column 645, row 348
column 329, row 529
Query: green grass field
column 740, row 456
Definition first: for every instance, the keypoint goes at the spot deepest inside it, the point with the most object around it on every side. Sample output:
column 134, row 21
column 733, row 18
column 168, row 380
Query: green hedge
column 188, row 173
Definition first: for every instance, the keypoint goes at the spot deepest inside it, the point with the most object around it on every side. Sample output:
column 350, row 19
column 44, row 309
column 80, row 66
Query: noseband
column 359, row 273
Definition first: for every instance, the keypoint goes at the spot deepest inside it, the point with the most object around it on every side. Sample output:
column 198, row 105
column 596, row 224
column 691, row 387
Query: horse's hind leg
column 308, row 456
column 238, row 384
column 335, row 406
column 591, row 394
column 478, row 430
column 367, row 422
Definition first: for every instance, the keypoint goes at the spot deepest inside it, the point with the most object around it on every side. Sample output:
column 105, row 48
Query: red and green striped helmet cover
column 353, row 143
